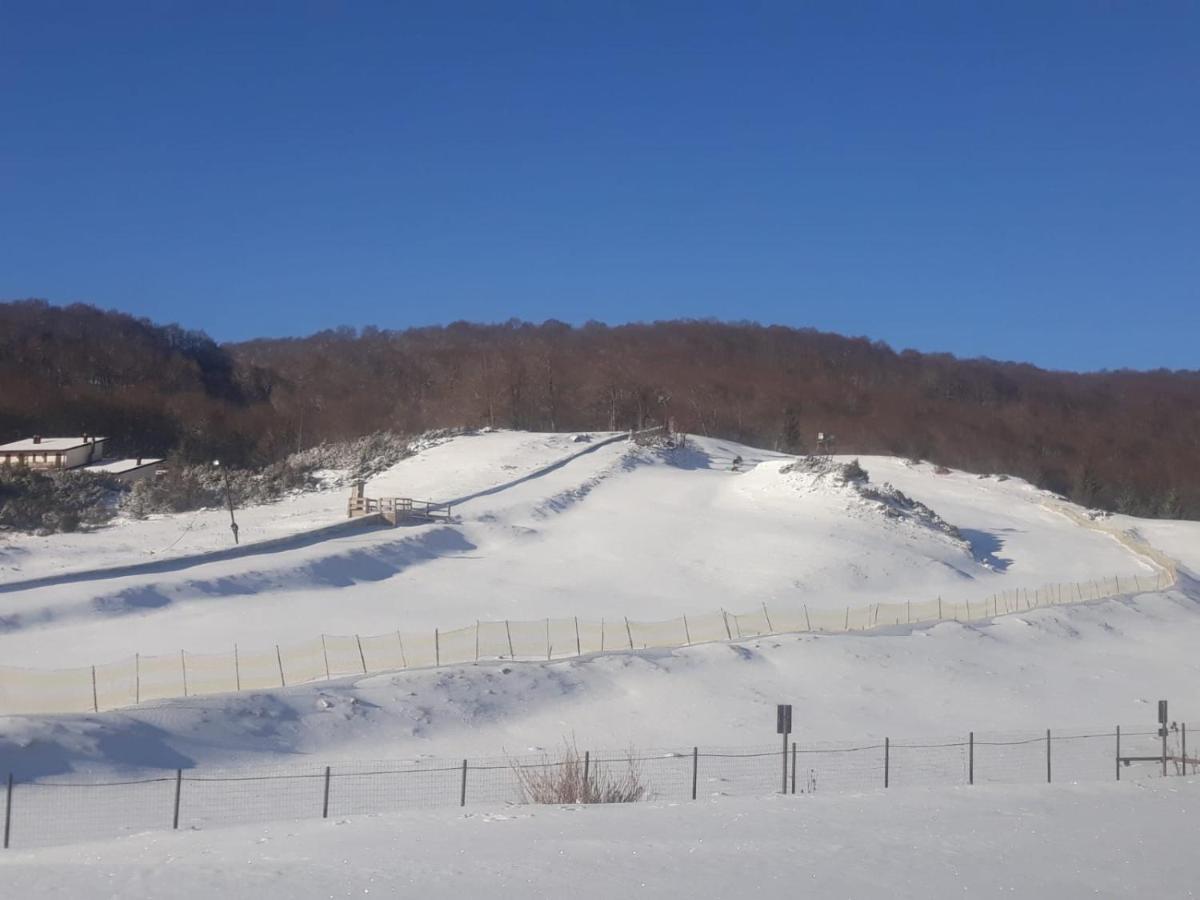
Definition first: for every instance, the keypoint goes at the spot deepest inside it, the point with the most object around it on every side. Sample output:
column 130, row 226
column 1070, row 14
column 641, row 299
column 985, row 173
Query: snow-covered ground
column 546, row 525
column 1058, row 843
column 614, row 532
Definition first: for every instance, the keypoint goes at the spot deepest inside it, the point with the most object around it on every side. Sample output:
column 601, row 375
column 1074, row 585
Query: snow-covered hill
column 594, row 526
column 550, row 526
column 559, row 525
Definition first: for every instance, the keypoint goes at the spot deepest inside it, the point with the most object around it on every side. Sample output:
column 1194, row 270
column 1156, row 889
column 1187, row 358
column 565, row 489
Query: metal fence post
column 462, row 799
column 178, row 792
column 325, row 805
column 887, row 747
column 695, row 769
column 279, row 659
column 362, row 658
column 437, row 648
column 8, row 810
column 793, row 767
column 587, row 770
column 1047, row 756
column 971, row 758
column 95, row 700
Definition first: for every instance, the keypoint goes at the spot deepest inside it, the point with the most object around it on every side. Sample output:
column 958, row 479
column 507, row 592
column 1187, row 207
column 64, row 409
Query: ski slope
column 551, row 525
column 548, row 526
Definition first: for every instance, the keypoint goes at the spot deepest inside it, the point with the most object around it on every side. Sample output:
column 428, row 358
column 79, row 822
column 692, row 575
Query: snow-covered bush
column 332, row 465
column 48, row 502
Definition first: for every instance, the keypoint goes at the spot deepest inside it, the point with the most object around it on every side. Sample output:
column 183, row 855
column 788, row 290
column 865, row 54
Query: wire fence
column 72, row 808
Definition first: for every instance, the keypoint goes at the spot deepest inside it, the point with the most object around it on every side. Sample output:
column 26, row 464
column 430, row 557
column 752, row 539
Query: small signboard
column 1162, row 718
column 783, row 718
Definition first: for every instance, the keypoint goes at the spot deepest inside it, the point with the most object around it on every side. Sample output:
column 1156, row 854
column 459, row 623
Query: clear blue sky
column 1018, row 180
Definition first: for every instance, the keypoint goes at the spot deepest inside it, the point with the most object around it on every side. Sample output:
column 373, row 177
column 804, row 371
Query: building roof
column 51, row 444
column 119, row 466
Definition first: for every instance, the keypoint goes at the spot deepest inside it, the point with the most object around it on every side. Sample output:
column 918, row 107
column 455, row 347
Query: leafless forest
column 1123, row 440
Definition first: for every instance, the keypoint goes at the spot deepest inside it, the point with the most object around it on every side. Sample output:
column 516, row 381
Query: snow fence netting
column 134, row 680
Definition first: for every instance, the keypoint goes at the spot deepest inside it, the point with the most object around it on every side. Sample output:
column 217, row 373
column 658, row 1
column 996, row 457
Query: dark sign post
column 783, row 725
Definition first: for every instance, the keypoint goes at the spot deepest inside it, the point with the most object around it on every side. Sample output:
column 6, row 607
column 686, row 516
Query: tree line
column 1122, row 440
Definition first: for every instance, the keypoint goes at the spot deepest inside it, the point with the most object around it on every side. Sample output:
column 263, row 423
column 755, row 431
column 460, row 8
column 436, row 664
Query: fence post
column 767, row 616
column 909, row 603
column 695, row 769
column 462, row 799
column 477, row 640
column 578, row 645
column 725, row 619
column 687, row 634
column 361, row 656
column 587, row 768
column 1183, row 745
column 95, row 700
column 237, row 669
column 793, row 767
column 629, row 632
column 178, row 792
column 508, row 631
column 183, row 666
column 549, row 648
column 437, row 648
column 807, row 620
column 279, row 659
column 8, row 810
column 325, row 653
column 1118, row 757
column 400, row 641
column 971, row 758
column 846, row 627
column 887, row 748
column 1047, row 756
column 784, row 781
column 939, row 609
column 137, row 678
column 325, row 805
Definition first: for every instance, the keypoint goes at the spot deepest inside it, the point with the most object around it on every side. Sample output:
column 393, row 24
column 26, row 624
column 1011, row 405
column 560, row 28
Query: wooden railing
column 396, row 509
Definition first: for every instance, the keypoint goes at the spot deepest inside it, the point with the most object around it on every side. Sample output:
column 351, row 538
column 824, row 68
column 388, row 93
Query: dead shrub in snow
column 573, row 779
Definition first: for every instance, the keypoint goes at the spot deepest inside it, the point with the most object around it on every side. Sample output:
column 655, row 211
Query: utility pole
column 233, row 525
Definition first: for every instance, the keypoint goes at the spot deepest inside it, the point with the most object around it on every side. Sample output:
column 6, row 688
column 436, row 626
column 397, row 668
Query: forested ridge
column 1122, row 440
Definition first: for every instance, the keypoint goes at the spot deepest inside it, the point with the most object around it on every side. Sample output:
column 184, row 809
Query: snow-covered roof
column 119, row 466
column 51, row 444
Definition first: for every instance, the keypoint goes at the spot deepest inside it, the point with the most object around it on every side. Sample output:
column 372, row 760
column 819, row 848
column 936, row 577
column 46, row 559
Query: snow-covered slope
column 550, row 526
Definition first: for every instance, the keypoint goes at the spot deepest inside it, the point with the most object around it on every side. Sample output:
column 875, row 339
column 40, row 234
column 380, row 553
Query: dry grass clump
column 574, row 778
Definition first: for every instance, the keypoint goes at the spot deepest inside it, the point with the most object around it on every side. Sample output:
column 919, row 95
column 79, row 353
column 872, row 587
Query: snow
column 545, row 525
column 1059, row 842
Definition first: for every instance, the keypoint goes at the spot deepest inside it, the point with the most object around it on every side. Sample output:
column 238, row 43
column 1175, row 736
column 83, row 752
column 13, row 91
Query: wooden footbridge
column 395, row 510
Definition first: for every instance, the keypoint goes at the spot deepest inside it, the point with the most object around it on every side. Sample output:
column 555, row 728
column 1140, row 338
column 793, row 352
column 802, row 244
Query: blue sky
column 1016, row 180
